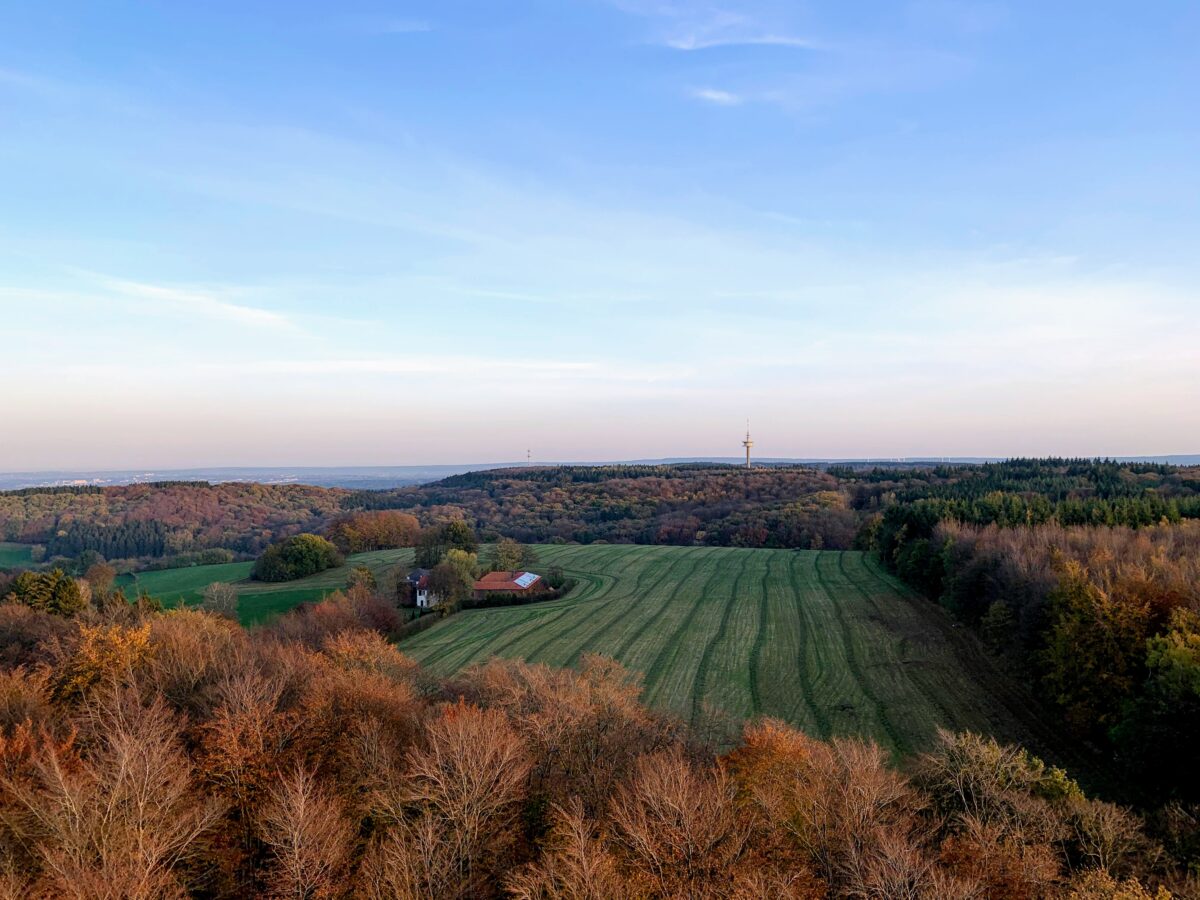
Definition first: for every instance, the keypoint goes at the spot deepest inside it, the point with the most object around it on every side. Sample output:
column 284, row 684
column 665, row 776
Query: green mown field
column 825, row 640
column 257, row 600
column 12, row 555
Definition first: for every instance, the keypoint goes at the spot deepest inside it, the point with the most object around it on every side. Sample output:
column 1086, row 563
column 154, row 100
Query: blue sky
column 302, row 233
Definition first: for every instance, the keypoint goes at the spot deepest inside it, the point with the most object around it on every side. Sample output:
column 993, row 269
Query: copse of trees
column 52, row 592
column 172, row 754
column 296, row 557
column 123, row 541
column 507, row 555
column 434, row 542
column 374, row 530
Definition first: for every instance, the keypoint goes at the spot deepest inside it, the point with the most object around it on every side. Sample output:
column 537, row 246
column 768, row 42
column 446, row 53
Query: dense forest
column 1080, row 575
column 787, row 506
column 1104, row 618
column 150, row 754
column 782, row 507
column 158, row 519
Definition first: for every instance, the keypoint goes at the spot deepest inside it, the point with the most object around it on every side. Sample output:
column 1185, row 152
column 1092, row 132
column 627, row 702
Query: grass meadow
column 14, row 555
column 257, row 600
column 825, row 640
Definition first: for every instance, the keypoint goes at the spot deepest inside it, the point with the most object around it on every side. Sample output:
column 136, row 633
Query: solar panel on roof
column 525, row 579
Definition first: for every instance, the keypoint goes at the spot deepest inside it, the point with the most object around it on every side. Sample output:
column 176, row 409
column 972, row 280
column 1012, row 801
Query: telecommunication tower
column 747, row 443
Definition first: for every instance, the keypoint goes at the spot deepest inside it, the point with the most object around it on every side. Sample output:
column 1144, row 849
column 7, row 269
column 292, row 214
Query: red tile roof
column 507, row 581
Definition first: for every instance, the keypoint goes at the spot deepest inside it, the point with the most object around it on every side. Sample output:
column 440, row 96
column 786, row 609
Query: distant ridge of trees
column 193, row 516
column 691, row 503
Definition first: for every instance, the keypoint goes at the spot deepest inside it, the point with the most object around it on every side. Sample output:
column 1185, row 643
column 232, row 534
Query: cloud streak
column 700, row 26
column 195, row 302
column 403, row 26
column 460, row 367
column 717, row 97
column 702, row 41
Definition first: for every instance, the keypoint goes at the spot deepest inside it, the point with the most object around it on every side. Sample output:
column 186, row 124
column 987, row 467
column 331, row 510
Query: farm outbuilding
column 509, row 583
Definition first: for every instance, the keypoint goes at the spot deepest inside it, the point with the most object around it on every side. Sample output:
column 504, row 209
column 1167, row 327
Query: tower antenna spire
column 747, row 443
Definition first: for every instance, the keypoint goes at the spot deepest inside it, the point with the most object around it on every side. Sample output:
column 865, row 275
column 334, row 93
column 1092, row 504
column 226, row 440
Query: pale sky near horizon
column 397, row 233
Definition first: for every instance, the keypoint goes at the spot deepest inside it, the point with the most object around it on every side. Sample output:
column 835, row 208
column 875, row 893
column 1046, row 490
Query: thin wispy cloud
column 701, row 26
column 197, row 302
column 718, row 97
column 403, row 26
column 458, row 368
column 703, row 41
column 27, row 82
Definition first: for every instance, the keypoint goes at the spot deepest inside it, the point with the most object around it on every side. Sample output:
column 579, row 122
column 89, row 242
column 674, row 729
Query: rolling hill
column 825, row 640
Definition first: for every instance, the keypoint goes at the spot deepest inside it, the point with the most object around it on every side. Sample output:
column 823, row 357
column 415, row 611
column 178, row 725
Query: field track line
column 760, row 637
column 700, row 682
column 599, row 603
column 933, row 697
column 1036, row 721
column 671, row 648
column 852, row 661
column 595, row 583
column 633, row 639
column 596, row 637
column 808, row 680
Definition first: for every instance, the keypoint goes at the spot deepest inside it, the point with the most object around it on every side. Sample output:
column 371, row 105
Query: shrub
column 296, row 557
column 52, row 592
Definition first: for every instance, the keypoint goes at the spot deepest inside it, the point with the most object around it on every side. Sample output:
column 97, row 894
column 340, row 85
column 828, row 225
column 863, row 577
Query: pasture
column 14, row 555
column 258, row 600
column 825, row 640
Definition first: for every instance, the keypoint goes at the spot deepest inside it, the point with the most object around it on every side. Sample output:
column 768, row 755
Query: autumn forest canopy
column 309, row 756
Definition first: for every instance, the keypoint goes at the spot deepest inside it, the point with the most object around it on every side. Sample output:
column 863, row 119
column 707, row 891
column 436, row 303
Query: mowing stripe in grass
column 596, row 608
column 539, row 616
column 657, row 615
column 764, row 615
column 670, row 650
column 700, row 682
column 678, row 680
column 727, row 678
column 827, row 643
column 832, row 683
column 910, row 687
column 565, row 606
column 807, row 688
column 441, row 637
column 855, row 666
column 604, row 636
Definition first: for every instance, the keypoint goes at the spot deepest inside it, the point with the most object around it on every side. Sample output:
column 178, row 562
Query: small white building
column 418, row 582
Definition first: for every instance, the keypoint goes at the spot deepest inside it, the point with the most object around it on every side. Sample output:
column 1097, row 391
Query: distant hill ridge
column 384, row 477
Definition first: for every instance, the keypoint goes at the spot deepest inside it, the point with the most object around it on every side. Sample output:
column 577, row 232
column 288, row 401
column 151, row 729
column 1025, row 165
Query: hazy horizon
column 602, row 229
column 1175, row 458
